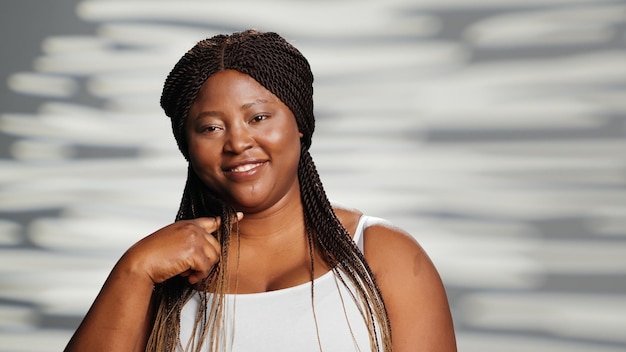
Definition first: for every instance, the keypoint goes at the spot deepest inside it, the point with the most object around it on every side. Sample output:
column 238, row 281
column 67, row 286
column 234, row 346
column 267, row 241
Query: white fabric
column 282, row 320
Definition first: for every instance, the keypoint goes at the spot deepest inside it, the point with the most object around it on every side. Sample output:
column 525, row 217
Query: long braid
column 170, row 296
column 342, row 253
column 284, row 71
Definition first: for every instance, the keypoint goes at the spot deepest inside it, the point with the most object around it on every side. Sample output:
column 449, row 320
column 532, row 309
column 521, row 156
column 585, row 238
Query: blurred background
column 492, row 130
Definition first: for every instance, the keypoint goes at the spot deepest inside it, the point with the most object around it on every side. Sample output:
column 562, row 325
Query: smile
column 245, row 167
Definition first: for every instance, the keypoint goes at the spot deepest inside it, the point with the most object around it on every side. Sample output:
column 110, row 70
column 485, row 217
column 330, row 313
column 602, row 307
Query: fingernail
column 239, row 215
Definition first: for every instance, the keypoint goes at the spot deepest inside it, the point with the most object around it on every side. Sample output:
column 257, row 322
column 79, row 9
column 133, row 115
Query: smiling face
column 244, row 142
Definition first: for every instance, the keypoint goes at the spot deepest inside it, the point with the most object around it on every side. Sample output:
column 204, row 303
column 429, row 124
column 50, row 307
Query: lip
column 244, row 168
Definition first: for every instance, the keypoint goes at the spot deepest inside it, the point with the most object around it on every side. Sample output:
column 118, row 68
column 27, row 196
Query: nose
column 238, row 139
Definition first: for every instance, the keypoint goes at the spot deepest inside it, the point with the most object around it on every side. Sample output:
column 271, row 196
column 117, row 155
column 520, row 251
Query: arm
column 120, row 317
column 414, row 295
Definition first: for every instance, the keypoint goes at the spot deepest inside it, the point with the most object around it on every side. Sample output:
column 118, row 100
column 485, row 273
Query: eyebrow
column 249, row 105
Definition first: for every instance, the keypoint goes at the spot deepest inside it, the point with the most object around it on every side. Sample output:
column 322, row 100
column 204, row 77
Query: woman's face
column 244, row 142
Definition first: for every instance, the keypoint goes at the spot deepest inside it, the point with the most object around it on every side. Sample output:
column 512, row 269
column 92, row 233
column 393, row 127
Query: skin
column 238, row 123
column 244, row 144
column 118, row 320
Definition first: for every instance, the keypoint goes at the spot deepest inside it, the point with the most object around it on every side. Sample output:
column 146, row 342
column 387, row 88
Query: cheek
column 283, row 140
column 202, row 156
column 194, row 152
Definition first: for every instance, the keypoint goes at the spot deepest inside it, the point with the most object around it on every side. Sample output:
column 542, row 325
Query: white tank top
column 282, row 320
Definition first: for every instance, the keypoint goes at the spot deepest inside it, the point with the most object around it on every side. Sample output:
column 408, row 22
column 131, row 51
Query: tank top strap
column 365, row 222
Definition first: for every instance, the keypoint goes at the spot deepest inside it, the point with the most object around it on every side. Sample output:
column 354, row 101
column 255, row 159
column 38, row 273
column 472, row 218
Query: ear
column 300, row 134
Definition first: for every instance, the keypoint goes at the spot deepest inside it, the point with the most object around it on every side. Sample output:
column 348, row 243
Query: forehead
column 231, row 85
column 233, row 92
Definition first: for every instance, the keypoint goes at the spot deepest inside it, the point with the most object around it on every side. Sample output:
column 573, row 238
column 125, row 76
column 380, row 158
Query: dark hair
column 266, row 57
column 283, row 70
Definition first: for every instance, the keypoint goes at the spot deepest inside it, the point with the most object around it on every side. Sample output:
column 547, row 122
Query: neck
column 285, row 219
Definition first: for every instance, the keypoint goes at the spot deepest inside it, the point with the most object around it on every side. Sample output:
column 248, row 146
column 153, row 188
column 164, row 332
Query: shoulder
column 411, row 287
column 386, row 247
column 396, row 258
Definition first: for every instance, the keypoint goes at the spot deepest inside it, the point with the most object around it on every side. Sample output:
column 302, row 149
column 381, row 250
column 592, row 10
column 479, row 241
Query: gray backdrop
column 492, row 130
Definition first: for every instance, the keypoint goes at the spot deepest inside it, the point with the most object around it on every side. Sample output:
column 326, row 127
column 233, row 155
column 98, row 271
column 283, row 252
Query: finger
column 213, row 244
column 211, row 224
column 196, row 277
column 202, row 269
column 208, row 224
column 212, row 250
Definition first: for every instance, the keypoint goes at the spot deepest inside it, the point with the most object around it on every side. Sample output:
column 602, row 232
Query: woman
column 258, row 259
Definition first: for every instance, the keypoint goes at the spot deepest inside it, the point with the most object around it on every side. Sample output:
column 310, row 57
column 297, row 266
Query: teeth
column 244, row 168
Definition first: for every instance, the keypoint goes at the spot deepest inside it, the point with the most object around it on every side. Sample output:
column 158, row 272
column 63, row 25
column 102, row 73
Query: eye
column 209, row 128
column 259, row 118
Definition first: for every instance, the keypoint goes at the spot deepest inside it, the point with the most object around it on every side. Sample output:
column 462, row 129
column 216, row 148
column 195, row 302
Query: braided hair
column 283, row 70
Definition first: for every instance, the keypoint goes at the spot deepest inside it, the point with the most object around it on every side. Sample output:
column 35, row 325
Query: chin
column 247, row 205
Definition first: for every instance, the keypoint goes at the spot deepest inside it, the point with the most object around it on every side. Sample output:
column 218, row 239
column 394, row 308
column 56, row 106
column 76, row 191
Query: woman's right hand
column 119, row 319
column 184, row 248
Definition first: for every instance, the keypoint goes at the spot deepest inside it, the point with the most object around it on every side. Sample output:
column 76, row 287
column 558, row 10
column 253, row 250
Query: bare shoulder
column 412, row 289
column 386, row 244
